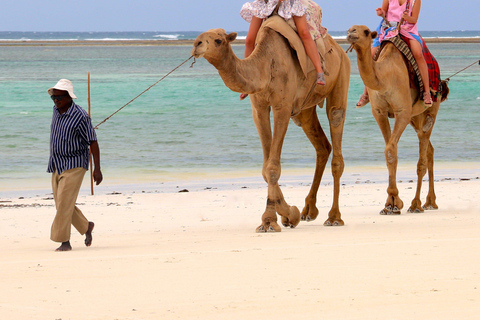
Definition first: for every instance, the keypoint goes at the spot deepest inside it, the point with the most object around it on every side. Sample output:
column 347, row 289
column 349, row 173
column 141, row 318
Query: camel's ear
column 374, row 34
column 232, row 36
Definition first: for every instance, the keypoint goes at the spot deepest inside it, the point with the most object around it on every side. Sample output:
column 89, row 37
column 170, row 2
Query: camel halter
column 181, row 64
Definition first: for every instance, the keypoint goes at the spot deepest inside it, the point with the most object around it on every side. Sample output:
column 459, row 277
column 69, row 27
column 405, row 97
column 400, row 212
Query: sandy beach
column 195, row 255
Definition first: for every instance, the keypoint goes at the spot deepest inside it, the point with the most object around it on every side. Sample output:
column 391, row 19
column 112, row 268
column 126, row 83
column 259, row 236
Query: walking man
column 71, row 135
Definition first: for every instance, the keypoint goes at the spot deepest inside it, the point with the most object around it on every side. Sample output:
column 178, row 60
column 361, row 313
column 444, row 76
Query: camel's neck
column 250, row 75
column 367, row 68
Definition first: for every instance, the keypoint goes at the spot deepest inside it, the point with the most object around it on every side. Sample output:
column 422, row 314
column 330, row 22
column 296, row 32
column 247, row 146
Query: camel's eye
column 218, row 42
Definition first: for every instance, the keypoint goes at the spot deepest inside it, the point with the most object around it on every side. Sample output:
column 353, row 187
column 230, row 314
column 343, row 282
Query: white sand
column 196, row 255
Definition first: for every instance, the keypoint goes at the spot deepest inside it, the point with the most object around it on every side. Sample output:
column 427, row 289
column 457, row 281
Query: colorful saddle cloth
column 402, row 44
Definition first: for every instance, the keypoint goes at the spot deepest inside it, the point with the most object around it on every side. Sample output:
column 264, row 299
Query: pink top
column 394, row 14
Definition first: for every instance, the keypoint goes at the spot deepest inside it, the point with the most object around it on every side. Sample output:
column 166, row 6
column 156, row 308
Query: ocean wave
column 168, row 36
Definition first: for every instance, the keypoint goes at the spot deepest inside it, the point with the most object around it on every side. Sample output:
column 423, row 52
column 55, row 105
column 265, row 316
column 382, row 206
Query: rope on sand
column 181, row 64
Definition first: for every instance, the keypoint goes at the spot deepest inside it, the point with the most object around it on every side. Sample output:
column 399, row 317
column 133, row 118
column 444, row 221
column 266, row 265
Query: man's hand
column 97, row 176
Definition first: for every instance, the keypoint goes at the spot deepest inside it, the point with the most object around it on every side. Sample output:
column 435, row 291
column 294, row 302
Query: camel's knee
column 272, row 172
column 337, row 116
column 391, row 154
column 428, row 124
column 337, row 165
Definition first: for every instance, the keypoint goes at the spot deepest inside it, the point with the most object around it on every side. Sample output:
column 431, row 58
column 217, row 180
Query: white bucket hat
column 64, row 85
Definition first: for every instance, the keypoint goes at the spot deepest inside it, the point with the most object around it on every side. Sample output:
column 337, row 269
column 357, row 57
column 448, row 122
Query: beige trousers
column 65, row 191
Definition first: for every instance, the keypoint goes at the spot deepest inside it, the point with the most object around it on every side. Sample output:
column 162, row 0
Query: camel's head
column 361, row 36
column 212, row 44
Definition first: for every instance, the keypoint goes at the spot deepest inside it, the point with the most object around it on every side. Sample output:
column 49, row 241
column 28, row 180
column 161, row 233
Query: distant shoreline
column 72, row 43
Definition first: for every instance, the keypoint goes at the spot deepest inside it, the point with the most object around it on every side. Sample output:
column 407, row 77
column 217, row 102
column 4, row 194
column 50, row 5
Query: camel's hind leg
column 430, row 203
column 336, row 112
column 308, row 119
column 423, row 125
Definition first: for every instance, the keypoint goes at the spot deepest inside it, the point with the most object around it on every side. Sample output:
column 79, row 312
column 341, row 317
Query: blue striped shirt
column 70, row 136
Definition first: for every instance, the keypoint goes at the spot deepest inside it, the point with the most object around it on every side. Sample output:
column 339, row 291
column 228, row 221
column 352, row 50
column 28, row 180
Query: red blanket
column 432, row 64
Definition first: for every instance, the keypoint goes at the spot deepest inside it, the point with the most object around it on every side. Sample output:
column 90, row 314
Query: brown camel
column 388, row 86
column 274, row 80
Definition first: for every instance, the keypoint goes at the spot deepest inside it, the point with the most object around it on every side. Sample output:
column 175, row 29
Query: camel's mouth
column 198, row 49
column 352, row 36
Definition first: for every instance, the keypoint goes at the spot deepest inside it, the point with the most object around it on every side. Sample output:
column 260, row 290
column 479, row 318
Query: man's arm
column 97, row 172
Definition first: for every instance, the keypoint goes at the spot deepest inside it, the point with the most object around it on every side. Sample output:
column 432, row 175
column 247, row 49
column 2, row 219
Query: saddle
column 402, row 44
column 285, row 28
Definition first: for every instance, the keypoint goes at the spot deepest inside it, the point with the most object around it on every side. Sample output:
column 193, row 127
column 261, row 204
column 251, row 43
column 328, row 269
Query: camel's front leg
column 272, row 169
column 394, row 204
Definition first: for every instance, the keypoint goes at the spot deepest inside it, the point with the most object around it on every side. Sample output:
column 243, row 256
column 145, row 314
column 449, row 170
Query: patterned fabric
column 287, row 9
column 402, row 43
column 70, row 136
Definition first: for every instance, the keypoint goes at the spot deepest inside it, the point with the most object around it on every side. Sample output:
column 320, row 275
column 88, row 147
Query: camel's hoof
column 309, row 213
column 388, row 210
column 306, row 218
column 334, row 223
column 272, row 227
column 288, row 224
column 293, row 218
column 430, row 207
column 417, row 210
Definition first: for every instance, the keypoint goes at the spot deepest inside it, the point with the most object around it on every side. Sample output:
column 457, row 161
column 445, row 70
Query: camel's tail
column 445, row 90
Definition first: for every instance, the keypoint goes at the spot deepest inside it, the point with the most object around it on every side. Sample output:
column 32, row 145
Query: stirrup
column 364, row 99
column 321, row 79
column 427, row 98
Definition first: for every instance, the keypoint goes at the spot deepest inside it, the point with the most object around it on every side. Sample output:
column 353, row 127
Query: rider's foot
column 427, row 98
column 364, row 99
column 321, row 79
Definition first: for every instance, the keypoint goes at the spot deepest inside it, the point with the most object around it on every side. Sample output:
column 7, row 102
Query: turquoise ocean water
column 190, row 124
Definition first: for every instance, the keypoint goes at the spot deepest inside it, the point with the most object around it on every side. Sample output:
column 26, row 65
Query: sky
column 201, row 15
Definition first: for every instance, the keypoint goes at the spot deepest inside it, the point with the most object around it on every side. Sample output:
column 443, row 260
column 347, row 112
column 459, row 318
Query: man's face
column 61, row 99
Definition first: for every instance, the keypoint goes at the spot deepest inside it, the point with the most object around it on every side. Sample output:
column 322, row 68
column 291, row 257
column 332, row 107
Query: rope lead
column 448, row 79
column 181, row 64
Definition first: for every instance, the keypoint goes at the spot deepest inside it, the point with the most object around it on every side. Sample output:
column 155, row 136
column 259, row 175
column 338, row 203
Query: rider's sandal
column 427, row 98
column 321, row 79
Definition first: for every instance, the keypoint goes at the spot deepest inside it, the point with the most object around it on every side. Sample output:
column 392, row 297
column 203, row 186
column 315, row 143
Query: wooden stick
column 386, row 21
column 400, row 24
column 89, row 114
